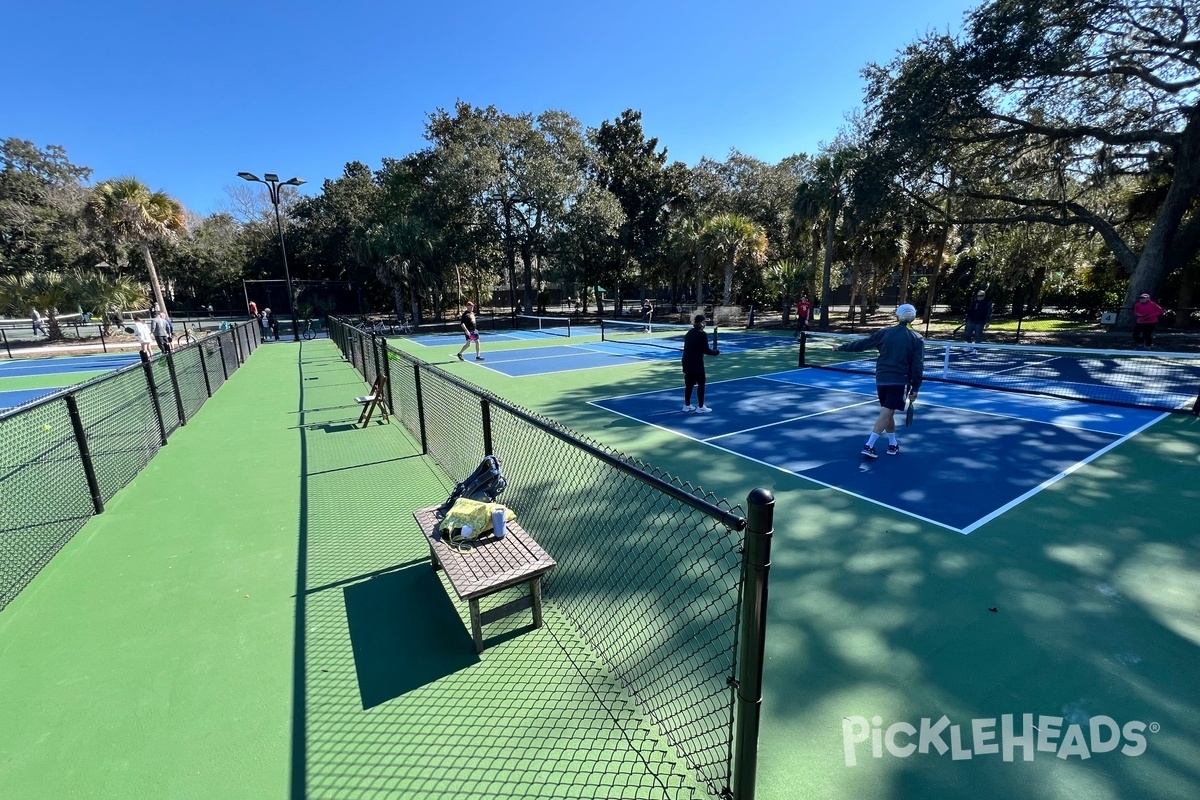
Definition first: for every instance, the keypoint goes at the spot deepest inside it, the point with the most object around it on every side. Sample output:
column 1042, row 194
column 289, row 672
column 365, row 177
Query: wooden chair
column 375, row 399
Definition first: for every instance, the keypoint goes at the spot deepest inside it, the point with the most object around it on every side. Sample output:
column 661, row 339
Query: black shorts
column 891, row 396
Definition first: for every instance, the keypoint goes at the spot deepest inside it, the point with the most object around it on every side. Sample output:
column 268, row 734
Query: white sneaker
column 689, row 409
column 703, row 410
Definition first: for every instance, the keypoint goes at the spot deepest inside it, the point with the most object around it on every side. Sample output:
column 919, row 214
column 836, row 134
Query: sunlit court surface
column 26, row 379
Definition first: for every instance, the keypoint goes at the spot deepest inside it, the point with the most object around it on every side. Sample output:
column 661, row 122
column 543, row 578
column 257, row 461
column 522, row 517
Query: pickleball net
column 553, row 326
column 1131, row 378
column 645, row 334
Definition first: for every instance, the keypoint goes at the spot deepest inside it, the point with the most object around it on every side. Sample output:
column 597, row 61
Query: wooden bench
column 488, row 565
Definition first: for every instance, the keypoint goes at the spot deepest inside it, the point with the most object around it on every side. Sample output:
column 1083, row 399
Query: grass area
column 1047, row 325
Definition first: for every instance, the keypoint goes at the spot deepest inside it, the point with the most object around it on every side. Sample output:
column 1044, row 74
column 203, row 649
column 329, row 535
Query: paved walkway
column 255, row 617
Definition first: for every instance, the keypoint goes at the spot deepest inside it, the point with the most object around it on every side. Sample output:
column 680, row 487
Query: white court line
column 784, row 470
column 966, row 530
column 785, row 421
column 1050, row 481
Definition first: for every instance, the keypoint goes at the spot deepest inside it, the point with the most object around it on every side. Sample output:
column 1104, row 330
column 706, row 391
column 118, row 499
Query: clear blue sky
column 185, row 94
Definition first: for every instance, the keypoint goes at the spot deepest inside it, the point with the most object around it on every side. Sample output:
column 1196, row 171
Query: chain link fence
column 65, row 455
column 650, row 569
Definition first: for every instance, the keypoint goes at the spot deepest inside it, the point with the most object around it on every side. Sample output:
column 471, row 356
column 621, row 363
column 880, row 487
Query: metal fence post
column 149, row 373
column 175, row 387
column 221, row 350
column 204, row 369
column 756, row 567
column 487, row 426
column 85, row 454
column 387, row 375
column 420, row 408
column 103, row 340
column 4, row 339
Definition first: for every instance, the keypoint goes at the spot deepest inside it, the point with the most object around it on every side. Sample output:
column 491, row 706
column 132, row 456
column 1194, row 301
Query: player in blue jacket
column 900, row 367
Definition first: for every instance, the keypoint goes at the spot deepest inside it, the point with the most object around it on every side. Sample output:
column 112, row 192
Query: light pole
column 273, row 183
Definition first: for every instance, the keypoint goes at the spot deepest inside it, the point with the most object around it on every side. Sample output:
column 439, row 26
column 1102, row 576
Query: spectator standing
column 160, row 326
column 695, row 348
column 979, row 314
column 274, row 322
column 253, row 306
column 900, row 367
column 647, row 313
column 145, row 338
column 1145, row 318
column 209, row 309
column 265, row 320
column 467, row 321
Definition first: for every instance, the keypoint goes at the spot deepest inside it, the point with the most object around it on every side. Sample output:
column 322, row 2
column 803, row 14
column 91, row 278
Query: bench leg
column 535, row 590
column 476, row 625
column 433, row 559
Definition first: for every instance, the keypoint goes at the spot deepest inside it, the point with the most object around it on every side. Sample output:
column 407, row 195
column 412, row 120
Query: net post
column 803, row 342
column 1196, row 406
column 420, row 408
column 486, row 409
column 756, row 567
column 175, row 387
column 85, row 454
column 103, row 340
column 149, row 373
column 568, row 327
column 714, row 342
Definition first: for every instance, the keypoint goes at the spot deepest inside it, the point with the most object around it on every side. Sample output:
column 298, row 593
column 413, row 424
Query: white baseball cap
column 906, row 313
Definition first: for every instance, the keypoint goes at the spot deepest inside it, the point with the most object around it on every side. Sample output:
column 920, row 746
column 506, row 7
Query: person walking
column 39, row 327
column 979, row 314
column 647, row 313
column 900, row 367
column 467, row 321
column 160, row 326
column 803, row 314
column 1145, row 318
column 145, row 338
column 695, row 348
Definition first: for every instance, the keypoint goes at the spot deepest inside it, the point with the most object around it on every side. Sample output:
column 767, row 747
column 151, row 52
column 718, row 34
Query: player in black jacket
column 695, row 348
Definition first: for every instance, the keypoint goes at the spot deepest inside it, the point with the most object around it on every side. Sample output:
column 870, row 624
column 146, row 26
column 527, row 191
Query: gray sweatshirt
column 901, row 355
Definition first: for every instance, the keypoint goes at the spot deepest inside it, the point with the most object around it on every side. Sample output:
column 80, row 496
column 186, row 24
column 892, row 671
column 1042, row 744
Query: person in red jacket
column 1145, row 317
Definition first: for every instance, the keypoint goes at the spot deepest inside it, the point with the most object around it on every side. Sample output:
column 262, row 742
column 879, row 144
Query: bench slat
column 479, row 568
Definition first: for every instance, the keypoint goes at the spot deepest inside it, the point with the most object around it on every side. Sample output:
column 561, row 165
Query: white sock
column 892, row 439
column 874, row 437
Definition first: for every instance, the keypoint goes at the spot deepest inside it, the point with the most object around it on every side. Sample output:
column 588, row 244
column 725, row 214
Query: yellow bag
column 474, row 513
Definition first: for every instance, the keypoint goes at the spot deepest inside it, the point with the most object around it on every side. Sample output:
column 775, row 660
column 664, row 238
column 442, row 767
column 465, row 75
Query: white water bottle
column 498, row 514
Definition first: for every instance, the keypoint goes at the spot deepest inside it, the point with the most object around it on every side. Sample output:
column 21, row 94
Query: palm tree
column 129, row 213
column 821, row 200
column 732, row 238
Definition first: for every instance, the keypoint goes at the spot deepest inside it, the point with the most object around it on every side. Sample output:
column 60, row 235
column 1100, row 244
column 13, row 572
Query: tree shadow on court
column 1079, row 602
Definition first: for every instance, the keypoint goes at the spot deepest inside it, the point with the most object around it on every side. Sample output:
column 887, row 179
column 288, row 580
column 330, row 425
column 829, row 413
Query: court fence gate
column 66, row 454
column 666, row 583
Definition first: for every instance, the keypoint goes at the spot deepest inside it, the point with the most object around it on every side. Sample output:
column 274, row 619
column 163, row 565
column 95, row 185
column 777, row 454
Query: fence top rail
column 664, row 482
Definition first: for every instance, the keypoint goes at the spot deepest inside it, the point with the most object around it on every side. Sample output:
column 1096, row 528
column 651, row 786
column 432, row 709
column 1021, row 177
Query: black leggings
column 690, row 380
column 1143, row 332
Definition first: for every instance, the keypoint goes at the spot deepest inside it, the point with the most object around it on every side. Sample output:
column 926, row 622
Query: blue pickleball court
column 971, row 453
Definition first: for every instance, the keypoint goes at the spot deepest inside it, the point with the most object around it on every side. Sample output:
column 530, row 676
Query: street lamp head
column 295, row 181
column 270, row 177
column 248, row 176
